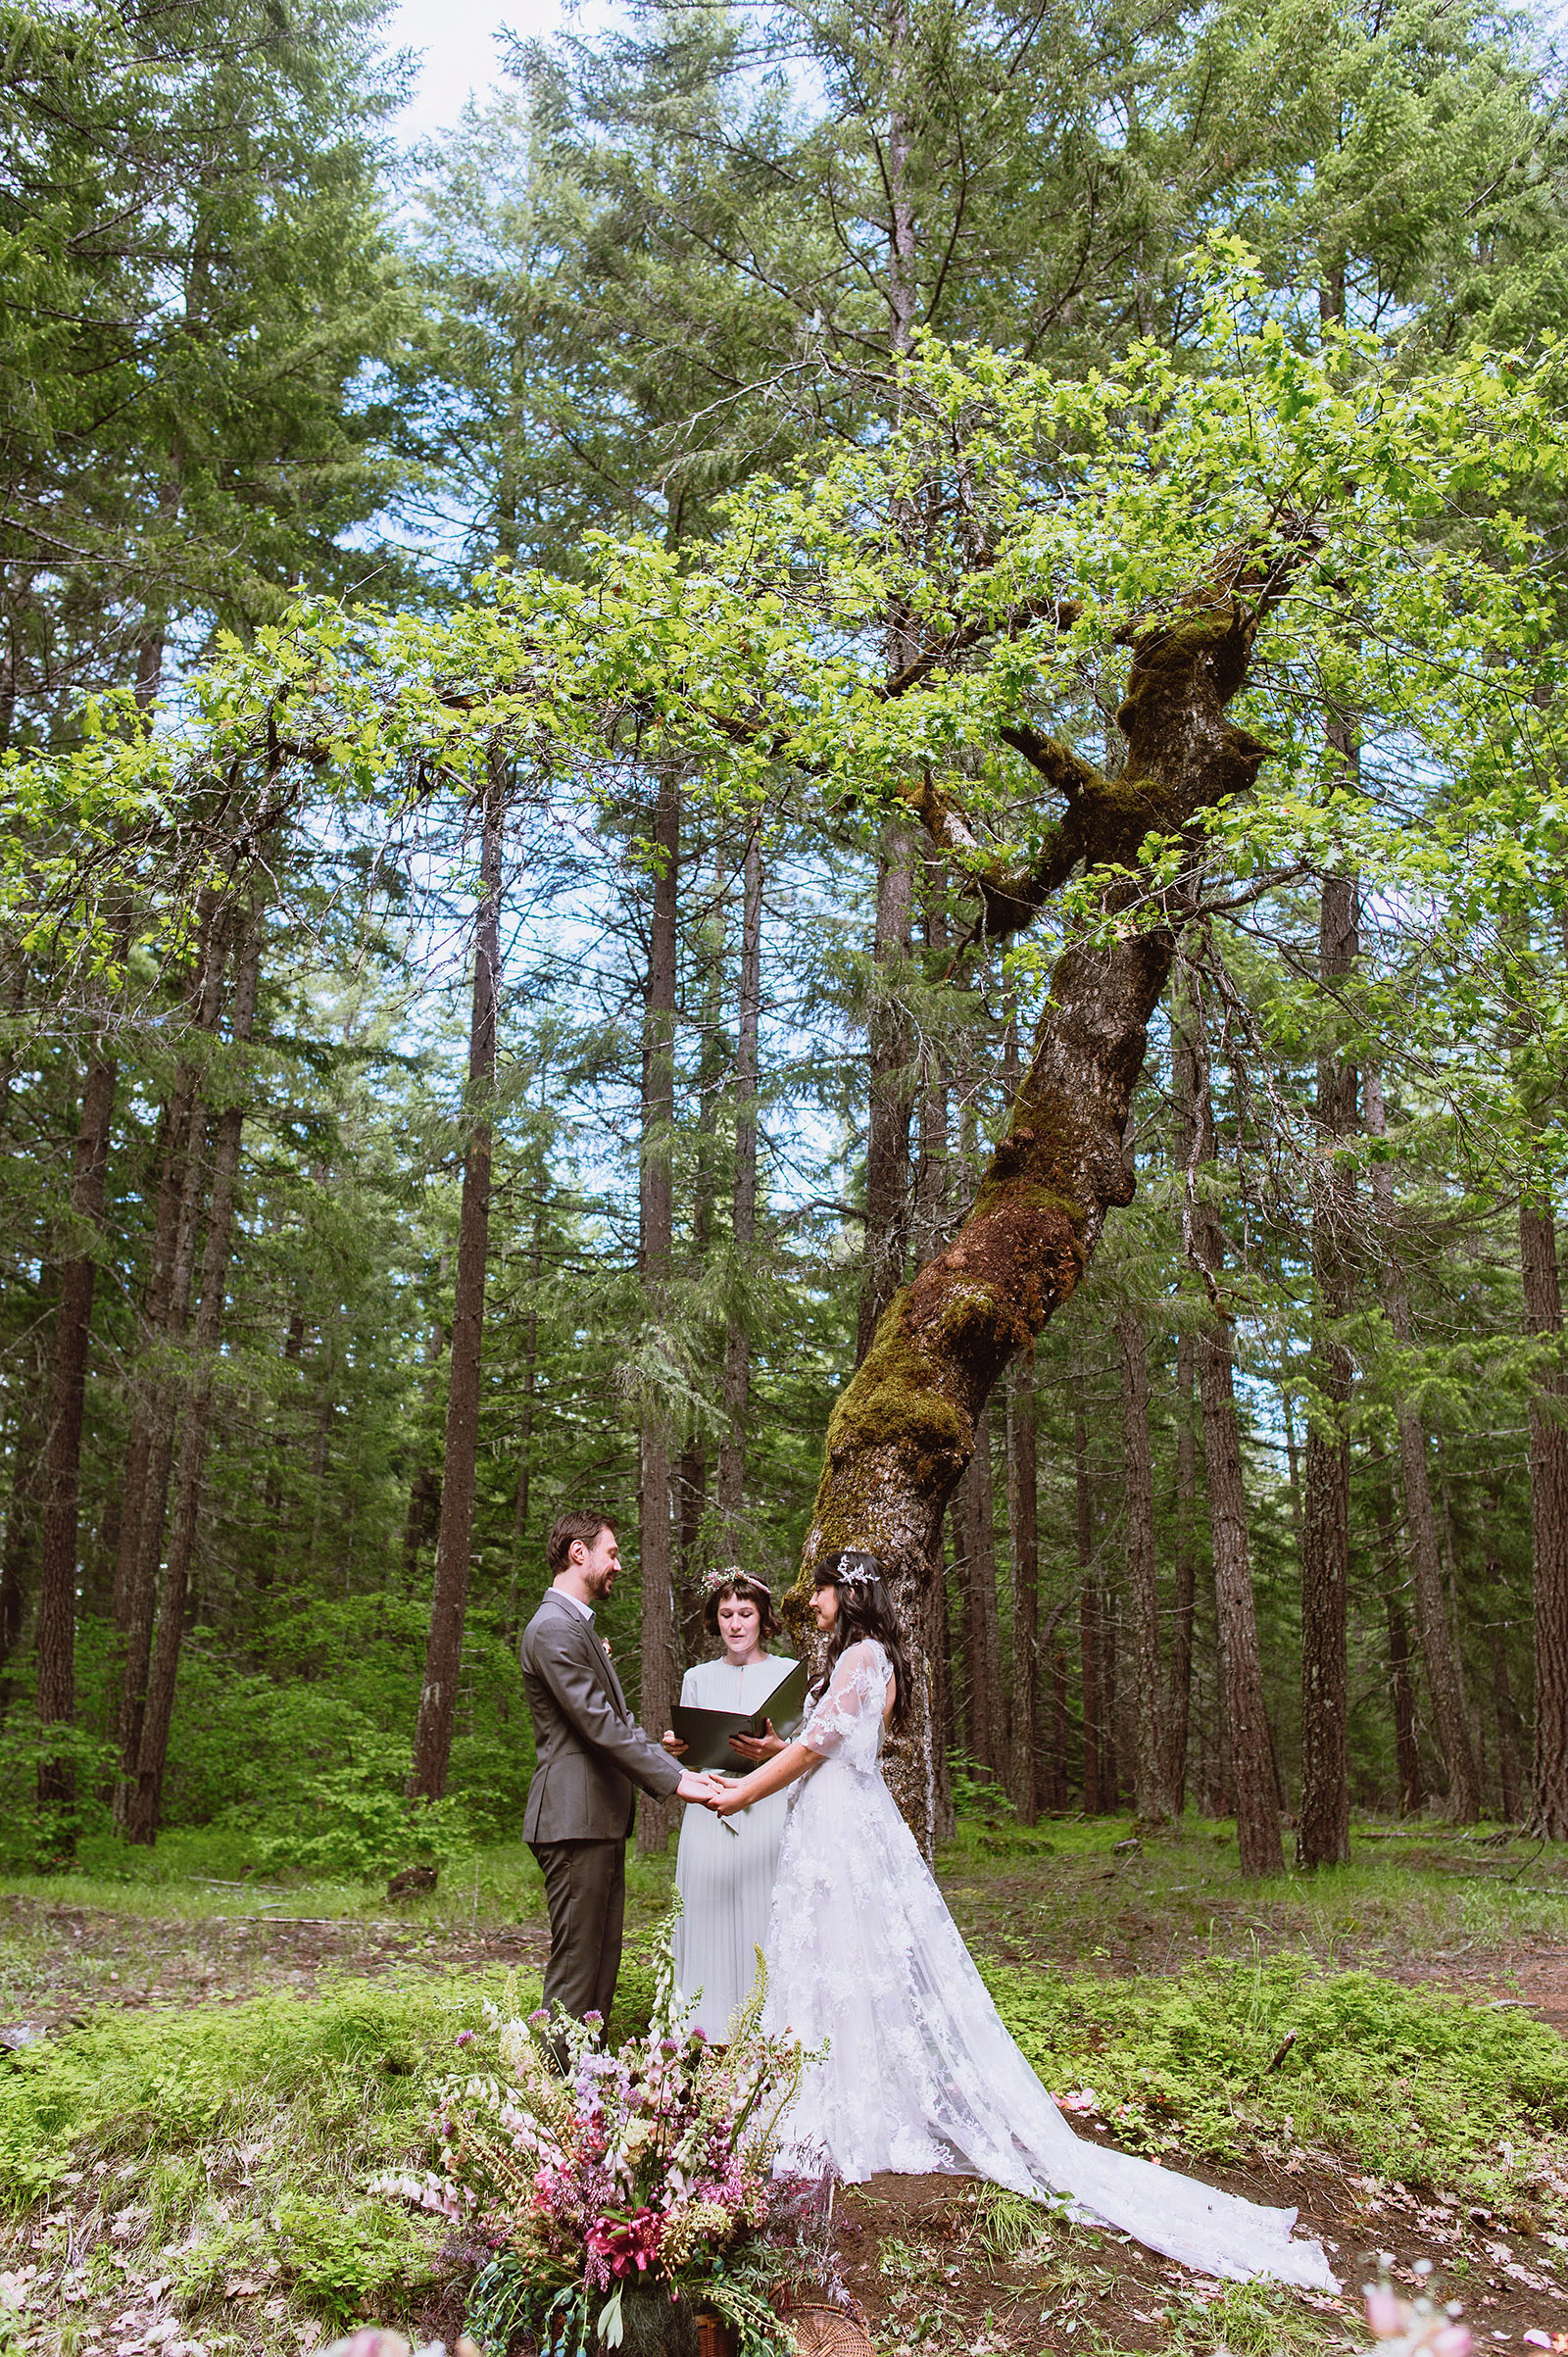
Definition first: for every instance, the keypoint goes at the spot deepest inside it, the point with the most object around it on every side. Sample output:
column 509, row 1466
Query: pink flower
column 624, row 2244
column 1385, row 2312
column 465, row 2038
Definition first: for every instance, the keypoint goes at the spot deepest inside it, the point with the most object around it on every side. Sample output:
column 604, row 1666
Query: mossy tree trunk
column 904, row 1431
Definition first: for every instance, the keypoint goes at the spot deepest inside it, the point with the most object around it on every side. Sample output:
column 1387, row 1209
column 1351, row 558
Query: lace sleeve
column 859, row 1687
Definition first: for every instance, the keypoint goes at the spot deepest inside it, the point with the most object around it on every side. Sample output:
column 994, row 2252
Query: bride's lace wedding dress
column 920, row 2074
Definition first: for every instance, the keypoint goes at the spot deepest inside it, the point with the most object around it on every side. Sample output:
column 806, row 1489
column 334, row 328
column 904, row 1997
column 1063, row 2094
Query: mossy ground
column 195, row 2151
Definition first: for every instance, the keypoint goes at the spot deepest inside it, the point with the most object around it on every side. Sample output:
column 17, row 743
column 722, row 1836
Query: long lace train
column 921, row 2073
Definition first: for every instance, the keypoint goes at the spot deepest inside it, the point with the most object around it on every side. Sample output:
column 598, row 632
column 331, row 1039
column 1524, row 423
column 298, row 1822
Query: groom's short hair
column 583, row 1523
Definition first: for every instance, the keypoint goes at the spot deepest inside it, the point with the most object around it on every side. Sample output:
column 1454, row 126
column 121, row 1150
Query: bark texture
column 659, row 1664
column 887, row 1142
column 1443, row 1681
column 737, row 1339
column 1549, row 1518
column 55, row 1640
column 982, row 1624
column 144, row 1801
column 449, row 1602
column 1323, row 1838
column 1151, row 1764
column 1179, row 1697
column 1023, row 1559
column 1088, row 1605
column 155, row 1399
column 1246, row 1719
column 904, row 1431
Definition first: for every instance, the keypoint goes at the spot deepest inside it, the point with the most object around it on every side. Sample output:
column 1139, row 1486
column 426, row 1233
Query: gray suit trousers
column 585, row 1892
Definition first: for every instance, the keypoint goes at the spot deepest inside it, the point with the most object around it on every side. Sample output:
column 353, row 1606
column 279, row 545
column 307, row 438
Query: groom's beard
column 599, row 1585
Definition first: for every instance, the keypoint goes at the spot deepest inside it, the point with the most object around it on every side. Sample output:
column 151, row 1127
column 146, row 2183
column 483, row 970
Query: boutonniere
column 608, row 1656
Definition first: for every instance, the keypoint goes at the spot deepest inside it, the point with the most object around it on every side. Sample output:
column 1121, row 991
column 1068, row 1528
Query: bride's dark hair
column 865, row 1609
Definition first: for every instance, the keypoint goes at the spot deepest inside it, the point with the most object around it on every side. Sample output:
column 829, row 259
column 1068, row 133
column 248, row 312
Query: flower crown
column 731, row 1576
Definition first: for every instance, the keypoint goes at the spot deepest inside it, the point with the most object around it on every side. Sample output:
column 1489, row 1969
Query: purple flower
column 465, row 2038
column 538, row 2018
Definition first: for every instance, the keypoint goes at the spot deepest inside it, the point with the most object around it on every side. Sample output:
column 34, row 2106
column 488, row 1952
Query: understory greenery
column 1231, row 2060
column 301, row 1769
column 229, row 2150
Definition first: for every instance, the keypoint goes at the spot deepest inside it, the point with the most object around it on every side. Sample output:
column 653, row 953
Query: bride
column 920, row 2074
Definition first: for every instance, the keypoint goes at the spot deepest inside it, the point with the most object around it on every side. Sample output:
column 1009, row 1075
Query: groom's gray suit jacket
column 591, row 1754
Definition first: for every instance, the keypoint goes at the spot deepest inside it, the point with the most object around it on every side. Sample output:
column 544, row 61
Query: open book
column 706, row 1733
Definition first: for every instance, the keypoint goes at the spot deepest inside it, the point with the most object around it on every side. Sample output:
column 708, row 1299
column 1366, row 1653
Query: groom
column 590, row 1755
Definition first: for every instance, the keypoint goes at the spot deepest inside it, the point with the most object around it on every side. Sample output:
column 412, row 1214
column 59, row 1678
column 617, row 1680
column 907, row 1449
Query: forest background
column 387, row 1170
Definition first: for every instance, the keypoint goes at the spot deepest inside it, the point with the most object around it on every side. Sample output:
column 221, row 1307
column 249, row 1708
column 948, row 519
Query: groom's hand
column 693, row 1786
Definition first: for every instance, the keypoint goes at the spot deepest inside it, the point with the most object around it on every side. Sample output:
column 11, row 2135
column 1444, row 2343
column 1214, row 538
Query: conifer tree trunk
column 937, row 1638
column 928, row 1233
column 449, row 1602
column 660, row 1679
column 1407, row 1747
column 982, row 1623
column 1151, row 1791
column 145, row 1800
column 887, row 1141
column 1057, row 1756
column 19, row 1548
column 1023, row 1563
column 1088, row 1605
column 56, row 1641
column 1401, row 1661
column 1246, row 1719
column 1443, row 1681
column 155, row 1401
column 1324, row 1835
column 1179, row 1694
column 737, row 1341
column 421, row 1524
column 1506, row 1711
column 1548, row 1516
column 1112, row 1694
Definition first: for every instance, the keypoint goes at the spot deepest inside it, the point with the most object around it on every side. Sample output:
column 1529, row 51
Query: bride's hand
column 757, row 1747
column 730, row 1801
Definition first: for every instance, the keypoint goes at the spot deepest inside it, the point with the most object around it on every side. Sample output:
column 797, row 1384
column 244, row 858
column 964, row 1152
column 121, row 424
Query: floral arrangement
column 607, row 2203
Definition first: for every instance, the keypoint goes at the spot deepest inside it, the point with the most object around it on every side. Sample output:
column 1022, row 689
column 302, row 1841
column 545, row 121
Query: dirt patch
column 920, row 2258
column 65, row 1960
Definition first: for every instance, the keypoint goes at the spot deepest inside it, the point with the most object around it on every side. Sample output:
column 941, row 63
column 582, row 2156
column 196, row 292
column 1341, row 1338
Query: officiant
column 724, row 1869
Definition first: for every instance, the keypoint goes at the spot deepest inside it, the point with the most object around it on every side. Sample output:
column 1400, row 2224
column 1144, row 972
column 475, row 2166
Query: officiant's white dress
column 921, row 2075
column 725, row 1878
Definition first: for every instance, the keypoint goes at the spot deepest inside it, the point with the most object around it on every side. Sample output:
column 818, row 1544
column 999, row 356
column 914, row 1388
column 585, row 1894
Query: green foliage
column 1408, row 2084
column 245, row 2136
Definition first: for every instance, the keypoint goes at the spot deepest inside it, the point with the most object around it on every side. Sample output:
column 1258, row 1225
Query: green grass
column 233, row 2142
column 1061, row 1889
column 1407, row 2084
column 220, row 2146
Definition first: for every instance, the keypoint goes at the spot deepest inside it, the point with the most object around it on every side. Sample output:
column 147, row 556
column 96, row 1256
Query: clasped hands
column 720, row 1794
column 724, row 1795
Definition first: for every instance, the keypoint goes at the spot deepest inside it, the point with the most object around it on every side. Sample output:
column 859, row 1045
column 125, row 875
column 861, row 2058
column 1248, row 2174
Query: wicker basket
column 827, row 2332
column 714, row 2337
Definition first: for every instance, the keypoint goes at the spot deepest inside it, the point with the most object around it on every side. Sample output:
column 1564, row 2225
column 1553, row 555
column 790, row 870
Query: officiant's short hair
column 733, row 1582
column 583, row 1523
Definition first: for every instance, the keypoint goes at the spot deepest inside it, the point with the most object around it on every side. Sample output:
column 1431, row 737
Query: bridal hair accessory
column 857, row 1571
